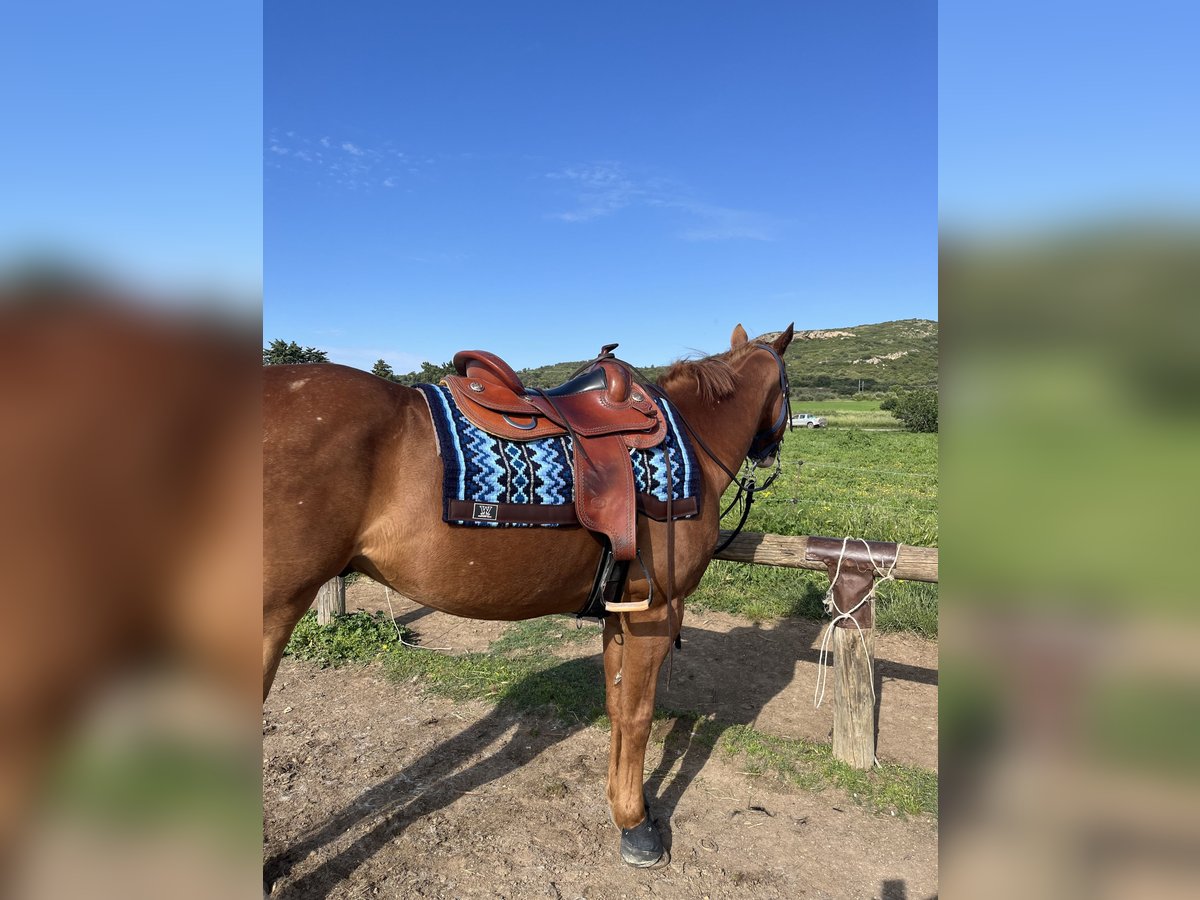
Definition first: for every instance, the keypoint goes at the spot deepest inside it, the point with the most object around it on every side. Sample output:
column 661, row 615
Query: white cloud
column 354, row 166
column 600, row 189
column 605, row 188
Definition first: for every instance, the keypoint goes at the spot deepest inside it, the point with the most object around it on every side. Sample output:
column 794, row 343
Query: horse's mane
column 713, row 375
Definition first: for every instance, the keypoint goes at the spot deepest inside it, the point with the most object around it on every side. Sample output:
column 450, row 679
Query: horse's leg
column 279, row 618
column 613, row 642
column 636, row 659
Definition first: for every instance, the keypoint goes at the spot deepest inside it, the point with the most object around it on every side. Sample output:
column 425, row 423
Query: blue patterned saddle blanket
column 488, row 480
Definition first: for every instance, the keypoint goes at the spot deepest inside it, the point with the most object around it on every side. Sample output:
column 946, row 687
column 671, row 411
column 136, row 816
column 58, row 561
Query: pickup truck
column 807, row 420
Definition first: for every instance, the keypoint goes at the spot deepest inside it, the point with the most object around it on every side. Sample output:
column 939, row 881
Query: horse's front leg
column 633, row 654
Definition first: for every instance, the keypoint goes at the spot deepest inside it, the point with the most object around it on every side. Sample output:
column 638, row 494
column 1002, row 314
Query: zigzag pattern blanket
column 491, row 481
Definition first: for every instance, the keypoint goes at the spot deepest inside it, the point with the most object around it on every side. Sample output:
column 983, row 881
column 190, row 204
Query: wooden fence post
column 331, row 599
column 853, row 696
column 852, row 567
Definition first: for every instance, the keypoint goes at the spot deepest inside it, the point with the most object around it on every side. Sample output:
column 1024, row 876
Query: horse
column 352, row 481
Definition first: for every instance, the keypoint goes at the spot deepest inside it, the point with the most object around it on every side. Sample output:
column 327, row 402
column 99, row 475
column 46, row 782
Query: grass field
column 875, row 485
column 848, row 413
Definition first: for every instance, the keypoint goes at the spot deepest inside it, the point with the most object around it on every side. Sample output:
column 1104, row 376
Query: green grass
column 351, row 637
column 535, row 635
column 879, row 485
column 571, row 691
column 762, row 592
column 848, row 413
column 824, row 406
column 812, row 766
column 875, row 485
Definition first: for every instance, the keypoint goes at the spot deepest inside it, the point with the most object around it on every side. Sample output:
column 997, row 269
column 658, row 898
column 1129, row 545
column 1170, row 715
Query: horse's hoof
column 641, row 846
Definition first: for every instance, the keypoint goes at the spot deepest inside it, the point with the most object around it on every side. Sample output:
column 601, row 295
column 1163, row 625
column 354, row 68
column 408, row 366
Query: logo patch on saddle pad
column 494, row 482
column 485, row 512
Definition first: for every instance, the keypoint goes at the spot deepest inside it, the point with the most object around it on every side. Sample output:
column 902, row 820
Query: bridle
column 766, row 443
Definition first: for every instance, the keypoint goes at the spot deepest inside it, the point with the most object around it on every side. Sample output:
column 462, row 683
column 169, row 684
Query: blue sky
column 1054, row 114
column 132, row 139
column 539, row 179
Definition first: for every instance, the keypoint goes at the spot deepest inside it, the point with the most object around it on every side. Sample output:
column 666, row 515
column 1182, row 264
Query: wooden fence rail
column 912, row 564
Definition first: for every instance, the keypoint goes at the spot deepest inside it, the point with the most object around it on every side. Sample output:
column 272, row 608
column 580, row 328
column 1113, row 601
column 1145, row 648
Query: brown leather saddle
column 606, row 413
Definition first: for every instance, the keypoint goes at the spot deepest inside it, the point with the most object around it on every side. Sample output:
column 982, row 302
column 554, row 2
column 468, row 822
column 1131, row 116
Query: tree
column 282, row 353
column 918, row 410
column 427, row 374
column 383, row 370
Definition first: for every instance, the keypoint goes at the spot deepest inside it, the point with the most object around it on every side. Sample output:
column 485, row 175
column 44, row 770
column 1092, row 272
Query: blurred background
column 130, row 479
column 1070, row 250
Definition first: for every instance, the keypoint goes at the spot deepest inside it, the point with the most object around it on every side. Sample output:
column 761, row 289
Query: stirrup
column 633, row 605
column 630, row 606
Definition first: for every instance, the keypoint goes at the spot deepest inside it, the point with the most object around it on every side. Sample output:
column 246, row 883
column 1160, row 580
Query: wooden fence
column 857, row 565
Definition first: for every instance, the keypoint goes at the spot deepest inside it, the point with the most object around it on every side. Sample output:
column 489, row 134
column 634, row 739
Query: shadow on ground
column 513, row 734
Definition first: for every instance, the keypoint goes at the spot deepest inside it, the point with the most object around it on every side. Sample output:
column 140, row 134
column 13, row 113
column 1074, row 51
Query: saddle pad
column 488, row 480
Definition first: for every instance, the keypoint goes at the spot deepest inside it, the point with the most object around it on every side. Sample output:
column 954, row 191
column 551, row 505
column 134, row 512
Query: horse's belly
column 494, row 573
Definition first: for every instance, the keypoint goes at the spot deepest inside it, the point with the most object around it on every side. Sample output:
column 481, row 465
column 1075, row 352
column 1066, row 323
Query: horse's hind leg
column 280, row 616
column 633, row 654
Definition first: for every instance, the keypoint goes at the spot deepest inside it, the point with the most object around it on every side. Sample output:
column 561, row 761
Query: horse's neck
column 727, row 429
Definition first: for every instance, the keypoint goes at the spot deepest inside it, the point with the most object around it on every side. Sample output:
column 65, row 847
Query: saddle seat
column 604, row 410
column 603, row 400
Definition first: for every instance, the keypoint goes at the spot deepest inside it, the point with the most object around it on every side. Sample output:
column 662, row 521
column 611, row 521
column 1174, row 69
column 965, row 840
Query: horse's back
column 324, row 407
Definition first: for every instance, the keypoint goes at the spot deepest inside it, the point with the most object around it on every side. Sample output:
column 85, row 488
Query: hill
column 830, row 362
column 886, row 356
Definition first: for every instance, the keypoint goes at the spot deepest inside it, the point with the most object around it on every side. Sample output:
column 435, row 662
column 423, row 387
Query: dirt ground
column 375, row 789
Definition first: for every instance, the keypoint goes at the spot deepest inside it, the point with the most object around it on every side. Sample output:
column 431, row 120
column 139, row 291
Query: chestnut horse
column 352, row 479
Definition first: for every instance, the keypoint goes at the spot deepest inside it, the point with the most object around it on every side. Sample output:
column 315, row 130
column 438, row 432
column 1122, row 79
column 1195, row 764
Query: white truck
column 807, row 420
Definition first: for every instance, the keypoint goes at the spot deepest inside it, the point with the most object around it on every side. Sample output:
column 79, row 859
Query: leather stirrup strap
column 670, row 529
column 670, row 563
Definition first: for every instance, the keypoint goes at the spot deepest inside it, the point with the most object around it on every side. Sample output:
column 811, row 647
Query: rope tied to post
column 879, row 575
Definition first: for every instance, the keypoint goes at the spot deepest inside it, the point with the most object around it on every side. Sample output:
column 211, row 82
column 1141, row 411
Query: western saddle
column 606, row 413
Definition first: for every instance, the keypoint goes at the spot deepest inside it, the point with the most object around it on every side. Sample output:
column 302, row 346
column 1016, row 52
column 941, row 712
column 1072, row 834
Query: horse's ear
column 781, row 343
column 739, row 337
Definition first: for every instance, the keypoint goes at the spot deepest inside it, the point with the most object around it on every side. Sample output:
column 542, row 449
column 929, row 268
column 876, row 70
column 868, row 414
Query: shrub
column 353, row 637
column 918, row 410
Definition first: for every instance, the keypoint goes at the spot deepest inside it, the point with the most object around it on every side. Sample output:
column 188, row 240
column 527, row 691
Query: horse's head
column 777, row 410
